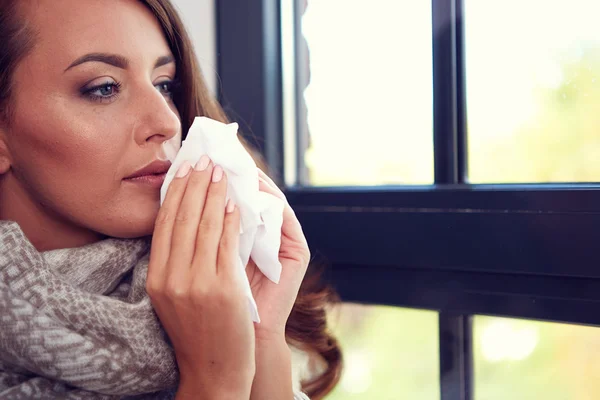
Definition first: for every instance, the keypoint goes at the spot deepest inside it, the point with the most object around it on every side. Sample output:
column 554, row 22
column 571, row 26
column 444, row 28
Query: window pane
column 533, row 90
column 368, row 92
column 389, row 353
column 523, row 360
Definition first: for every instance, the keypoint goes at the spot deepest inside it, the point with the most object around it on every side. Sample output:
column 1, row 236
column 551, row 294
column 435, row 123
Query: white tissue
column 261, row 213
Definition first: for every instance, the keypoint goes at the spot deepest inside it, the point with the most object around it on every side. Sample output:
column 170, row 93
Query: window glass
column 524, row 360
column 533, row 90
column 365, row 79
column 389, row 353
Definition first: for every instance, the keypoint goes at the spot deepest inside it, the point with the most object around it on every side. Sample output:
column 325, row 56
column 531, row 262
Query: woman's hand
column 273, row 379
column 275, row 301
column 194, row 288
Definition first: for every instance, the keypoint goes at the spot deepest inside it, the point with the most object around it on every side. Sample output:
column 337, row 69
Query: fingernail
column 202, row 164
column 183, row 169
column 217, row 174
column 230, row 206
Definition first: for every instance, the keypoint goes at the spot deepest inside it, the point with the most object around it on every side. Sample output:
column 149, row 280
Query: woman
column 90, row 92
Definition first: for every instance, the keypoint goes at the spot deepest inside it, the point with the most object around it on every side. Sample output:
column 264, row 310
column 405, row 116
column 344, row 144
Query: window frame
column 522, row 251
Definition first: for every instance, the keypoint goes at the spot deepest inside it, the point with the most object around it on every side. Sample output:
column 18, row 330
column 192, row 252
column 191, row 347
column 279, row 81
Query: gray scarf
column 77, row 323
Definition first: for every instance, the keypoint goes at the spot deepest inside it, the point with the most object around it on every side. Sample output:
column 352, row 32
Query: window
column 389, row 352
column 536, row 360
column 478, row 240
column 533, row 91
column 371, row 61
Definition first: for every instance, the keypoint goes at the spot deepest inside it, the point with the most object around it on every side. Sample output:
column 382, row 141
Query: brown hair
column 306, row 327
column 16, row 40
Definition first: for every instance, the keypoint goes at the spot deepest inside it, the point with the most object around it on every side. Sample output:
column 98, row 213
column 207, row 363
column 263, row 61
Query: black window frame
column 521, row 251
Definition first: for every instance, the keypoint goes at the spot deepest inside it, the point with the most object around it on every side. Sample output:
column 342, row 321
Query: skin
column 63, row 159
column 85, row 147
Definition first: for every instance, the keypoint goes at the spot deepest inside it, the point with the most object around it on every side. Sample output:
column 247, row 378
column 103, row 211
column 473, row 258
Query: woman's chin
column 128, row 233
column 129, row 228
column 130, row 216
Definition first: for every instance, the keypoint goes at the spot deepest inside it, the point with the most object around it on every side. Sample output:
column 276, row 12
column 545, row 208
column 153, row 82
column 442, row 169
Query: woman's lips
column 152, row 175
column 151, row 180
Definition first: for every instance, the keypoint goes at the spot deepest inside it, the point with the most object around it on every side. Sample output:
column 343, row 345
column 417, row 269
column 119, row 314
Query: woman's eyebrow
column 115, row 60
column 112, row 59
column 164, row 60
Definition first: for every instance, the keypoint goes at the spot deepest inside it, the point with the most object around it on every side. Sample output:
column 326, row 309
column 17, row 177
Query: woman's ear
column 4, row 153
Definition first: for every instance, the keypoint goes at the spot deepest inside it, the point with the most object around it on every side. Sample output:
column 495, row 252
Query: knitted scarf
column 78, row 324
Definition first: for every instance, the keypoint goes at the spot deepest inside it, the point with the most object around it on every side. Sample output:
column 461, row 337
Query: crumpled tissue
column 261, row 213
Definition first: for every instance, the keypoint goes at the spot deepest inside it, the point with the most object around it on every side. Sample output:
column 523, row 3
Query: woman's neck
column 44, row 230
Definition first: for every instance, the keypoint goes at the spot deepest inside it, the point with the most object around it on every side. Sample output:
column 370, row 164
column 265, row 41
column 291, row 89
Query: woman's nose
column 158, row 118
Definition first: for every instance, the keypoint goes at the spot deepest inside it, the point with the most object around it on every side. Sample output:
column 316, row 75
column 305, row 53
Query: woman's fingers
column 291, row 226
column 205, row 317
column 210, row 228
column 189, row 213
column 163, row 228
column 276, row 192
column 227, row 262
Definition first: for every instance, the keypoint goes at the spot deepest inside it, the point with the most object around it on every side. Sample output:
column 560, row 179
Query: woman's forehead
column 69, row 29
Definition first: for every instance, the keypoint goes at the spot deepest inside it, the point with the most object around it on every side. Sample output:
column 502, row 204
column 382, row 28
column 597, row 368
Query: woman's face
column 91, row 107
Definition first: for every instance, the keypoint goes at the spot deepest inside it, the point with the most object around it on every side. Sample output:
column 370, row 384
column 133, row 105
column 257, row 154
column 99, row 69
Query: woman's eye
column 106, row 90
column 102, row 92
column 166, row 88
column 109, row 90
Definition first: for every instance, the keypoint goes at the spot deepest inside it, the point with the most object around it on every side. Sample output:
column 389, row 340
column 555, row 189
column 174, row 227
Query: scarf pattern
column 77, row 323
